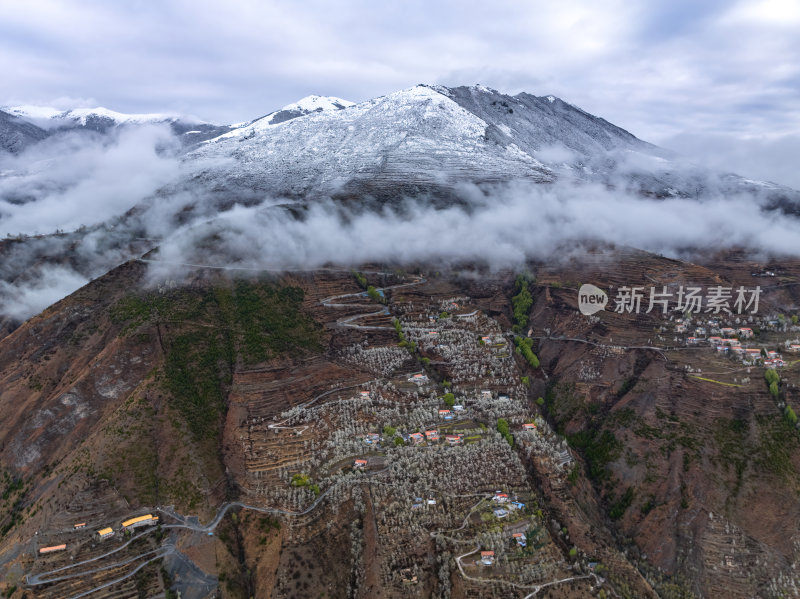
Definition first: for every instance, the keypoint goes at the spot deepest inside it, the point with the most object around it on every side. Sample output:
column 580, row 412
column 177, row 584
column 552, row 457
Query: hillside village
column 434, row 443
column 428, row 442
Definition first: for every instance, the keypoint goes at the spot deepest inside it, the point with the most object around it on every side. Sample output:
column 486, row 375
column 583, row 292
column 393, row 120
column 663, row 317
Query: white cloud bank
column 78, row 178
column 502, row 229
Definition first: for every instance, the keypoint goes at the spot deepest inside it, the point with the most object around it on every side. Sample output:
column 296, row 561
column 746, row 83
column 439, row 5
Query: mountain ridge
column 427, row 146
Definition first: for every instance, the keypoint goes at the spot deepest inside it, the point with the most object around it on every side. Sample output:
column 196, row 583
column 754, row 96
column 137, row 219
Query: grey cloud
column 655, row 68
column 762, row 158
column 503, row 229
column 44, row 287
column 76, row 179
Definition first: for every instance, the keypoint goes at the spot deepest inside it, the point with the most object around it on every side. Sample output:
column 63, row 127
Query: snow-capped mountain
column 415, row 137
column 103, row 120
column 430, row 138
column 300, row 108
column 425, row 139
column 98, row 118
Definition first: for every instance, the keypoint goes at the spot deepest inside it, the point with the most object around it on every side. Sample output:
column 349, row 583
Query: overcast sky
column 717, row 80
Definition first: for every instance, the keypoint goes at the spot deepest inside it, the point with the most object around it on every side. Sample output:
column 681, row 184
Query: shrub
column 300, row 480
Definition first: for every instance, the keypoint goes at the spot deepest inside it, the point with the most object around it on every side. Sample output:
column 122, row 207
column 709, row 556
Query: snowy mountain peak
column 33, row 112
column 484, row 88
column 82, row 115
column 318, row 103
column 308, row 105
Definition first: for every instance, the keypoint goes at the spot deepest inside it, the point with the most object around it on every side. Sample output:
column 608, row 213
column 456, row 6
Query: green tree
column 375, row 295
column 449, row 400
column 524, row 345
column 360, row 279
column 503, row 429
column 522, row 301
column 771, row 376
column 791, row 417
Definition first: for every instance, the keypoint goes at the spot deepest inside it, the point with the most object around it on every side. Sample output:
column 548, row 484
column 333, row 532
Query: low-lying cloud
column 764, row 158
column 80, row 179
column 45, row 286
column 501, row 229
